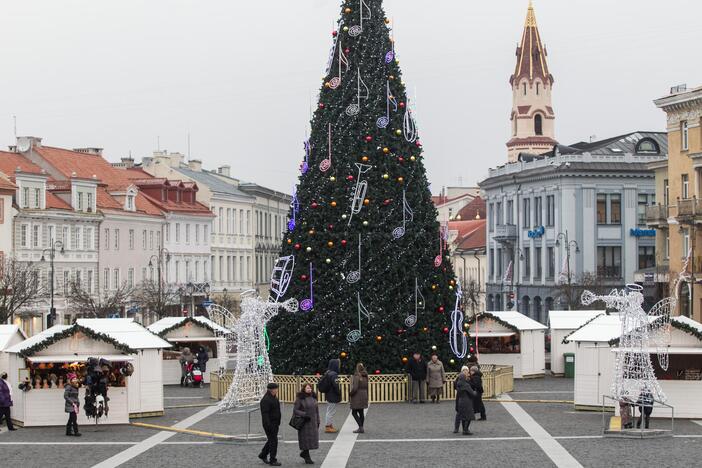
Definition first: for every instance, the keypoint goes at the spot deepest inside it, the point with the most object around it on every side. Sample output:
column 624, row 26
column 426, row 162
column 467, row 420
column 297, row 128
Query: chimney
column 94, row 151
column 195, row 165
column 25, row 143
column 224, row 170
column 128, row 162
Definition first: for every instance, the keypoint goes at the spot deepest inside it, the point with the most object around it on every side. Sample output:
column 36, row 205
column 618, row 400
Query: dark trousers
column 479, row 405
column 271, row 447
column 645, row 416
column 5, row 413
column 457, row 423
column 358, row 416
column 72, row 424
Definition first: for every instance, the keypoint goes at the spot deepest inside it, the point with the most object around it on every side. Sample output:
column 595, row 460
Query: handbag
column 297, row 421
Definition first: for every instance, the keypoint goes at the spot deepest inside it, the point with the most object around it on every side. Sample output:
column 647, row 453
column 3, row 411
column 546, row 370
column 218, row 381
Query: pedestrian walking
column 625, row 414
column 359, row 396
column 6, row 401
column 436, row 378
column 202, row 358
column 308, row 436
column 464, row 402
column 645, row 404
column 417, row 369
column 72, row 405
column 476, row 383
column 329, row 385
column 186, row 358
column 270, row 417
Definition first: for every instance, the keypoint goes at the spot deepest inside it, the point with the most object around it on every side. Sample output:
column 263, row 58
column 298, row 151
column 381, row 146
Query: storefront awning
column 491, row 334
column 74, row 358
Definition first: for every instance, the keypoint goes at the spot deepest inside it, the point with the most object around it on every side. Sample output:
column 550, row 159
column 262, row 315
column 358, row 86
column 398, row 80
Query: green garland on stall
column 187, row 320
column 495, row 318
column 70, row 331
column 675, row 324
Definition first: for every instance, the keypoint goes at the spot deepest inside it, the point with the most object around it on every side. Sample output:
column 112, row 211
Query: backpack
column 324, row 384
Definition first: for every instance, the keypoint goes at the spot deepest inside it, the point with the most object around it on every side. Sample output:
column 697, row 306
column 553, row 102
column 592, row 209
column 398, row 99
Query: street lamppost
column 163, row 257
column 568, row 244
column 55, row 245
column 512, row 291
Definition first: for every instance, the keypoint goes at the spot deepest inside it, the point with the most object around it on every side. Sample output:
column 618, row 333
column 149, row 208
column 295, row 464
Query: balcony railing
column 657, row 214
column 689, row 208
column 505, row 232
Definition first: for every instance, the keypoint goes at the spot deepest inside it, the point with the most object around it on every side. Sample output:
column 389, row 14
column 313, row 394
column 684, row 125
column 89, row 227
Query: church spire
column 532, row 114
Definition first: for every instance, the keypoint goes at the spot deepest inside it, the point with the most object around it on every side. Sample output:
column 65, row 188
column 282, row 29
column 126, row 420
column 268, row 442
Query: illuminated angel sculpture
column 633, row 371
column 253, row 369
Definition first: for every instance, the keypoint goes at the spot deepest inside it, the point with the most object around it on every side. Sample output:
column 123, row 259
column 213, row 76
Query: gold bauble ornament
column 330, row 244
column 333, row 204
column 346, row 28
column 366, row 202
column 412, row 158
column 343, row 354
column 308, row 249
column 387, row 20
column 400, row 179
column 333, row 179
column 365, row 223
column 328, row 260
column 386, row 176
column 398, row 132
column 386, row 150
column 364, row 159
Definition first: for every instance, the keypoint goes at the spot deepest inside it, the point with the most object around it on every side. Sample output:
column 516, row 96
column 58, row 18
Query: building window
column 35, row 235
column 116, row 239
column 550, row 210
column 177, row 232
column 197, row 271
column 89, row 283
column 131, row 239
column 615, row 204
column 666, row 192
column 107, row 239
column 90, row 201
column 158, row 239
column 115, row 278
column 87, row 238
column 167, row 231
column 666, row 253
column 538, row 125
column 641, row 209
column 177, row 271
column 143, row 274
column 151, row 240
column 527, row 213
column 143, row 239
column 25, row 197
column 130, row 202
column 491, row 217
column 609, row 262
column 510, row 212
column 130, row 277
column 647, row 257
column 601, row 208
column 37, row 196
column 80, row 201
column 537, row 87
column 686, row 243
column 539, row 269
column 75, row 238
column 527, row 263
column 551, row 272
column 685, row 186
column 197, row 233
column 204, row 234
column 491, row 262
column 524, row 88
column 683, row 134
column 188, row 277
column 50, row 236
column 79, row 277
column 187, row 233
column 23, row 236
column 204, row 271
column 537, row 211
column 220, row 228
column 498, row 213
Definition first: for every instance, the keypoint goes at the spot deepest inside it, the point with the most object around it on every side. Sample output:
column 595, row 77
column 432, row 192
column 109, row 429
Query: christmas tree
column 364, row 253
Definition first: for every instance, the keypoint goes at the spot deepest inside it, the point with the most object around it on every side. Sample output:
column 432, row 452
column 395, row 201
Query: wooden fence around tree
column 383, row 388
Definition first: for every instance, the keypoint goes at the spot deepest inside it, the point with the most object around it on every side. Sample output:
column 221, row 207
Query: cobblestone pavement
column 401, row 435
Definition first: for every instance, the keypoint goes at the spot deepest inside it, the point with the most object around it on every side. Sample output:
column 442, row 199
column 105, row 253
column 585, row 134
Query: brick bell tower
column 532, row 120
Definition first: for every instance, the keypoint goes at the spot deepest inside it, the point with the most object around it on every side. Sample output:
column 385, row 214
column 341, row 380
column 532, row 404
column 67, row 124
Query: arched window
column 525, row 306
column 538, row 125
column 537, row 87
column 489, row 302
column 549, row 305
column 647, row 146
column 538, row 310
column 498, row 302
column 685, row 305
column 524, row 87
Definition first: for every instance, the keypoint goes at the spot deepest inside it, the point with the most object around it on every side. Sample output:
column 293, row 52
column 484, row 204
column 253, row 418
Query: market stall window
column 498, row 344
column 680, row 367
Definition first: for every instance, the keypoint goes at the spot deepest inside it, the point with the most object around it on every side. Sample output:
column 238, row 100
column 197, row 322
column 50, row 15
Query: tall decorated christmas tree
column 364, row 253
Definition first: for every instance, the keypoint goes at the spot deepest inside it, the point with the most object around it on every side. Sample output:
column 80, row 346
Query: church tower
column 532, row 115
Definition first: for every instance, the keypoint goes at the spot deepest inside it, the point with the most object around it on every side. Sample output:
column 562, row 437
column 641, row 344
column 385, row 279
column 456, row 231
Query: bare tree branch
column 569, row 292
column 19, row 287
column 98, row 305
column 156, row 298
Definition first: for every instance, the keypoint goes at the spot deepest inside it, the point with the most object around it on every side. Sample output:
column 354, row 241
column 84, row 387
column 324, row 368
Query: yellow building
column 678, row 215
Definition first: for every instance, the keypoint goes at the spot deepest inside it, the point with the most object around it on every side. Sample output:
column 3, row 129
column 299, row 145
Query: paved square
column 535, row 429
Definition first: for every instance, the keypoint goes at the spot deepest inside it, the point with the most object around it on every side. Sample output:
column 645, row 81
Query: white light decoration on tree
column 634, row 377
column 253, row 369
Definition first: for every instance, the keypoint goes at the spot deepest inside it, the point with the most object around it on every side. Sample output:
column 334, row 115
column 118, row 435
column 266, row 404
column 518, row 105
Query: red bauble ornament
column 343, row 242
column 369, row 138
column 377, row 371
column 400, row 331
column 446, row 330
column 402, row 105
column 441, row 309
column 330, row 227
column 298, row 246
column 321, row 105
column 303, row 277
column 347, row 50
column 472, row 350
column 349, row 177
column 418, row 143
column 314, row 205
column 401, row 159
column 334, row 34
column 386, row 202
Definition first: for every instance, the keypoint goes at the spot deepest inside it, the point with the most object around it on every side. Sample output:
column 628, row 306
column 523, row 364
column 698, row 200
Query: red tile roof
column 6, row 185
column 9, row 162
column 442, row 199
column 55, row 202
column 471, row 234
column 141, row 178
column 475, row 207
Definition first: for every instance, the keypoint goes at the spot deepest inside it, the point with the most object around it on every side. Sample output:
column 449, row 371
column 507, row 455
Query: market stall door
column 587, row 375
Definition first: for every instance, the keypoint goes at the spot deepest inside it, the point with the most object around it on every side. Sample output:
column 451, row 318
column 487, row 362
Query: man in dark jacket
column 476, row 382
column 5, row 401
column 202, row 358
column 333, row 394
column 417, row 369
column 270, row 416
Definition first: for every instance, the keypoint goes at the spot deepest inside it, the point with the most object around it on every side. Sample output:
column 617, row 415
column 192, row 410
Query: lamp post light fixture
column 55, row 245
column 568, row 244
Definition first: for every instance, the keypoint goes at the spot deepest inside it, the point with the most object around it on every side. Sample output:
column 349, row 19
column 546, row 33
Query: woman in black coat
column 476, row 382
column 464, row 401
column 308, row 436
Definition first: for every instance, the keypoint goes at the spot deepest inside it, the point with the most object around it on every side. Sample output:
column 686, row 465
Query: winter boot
column 330, row 429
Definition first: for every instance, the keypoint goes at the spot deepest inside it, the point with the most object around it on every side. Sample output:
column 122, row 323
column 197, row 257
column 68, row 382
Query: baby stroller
column 193, row 374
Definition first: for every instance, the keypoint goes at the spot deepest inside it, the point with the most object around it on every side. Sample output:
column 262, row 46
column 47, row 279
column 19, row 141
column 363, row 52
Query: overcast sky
column 238, row 75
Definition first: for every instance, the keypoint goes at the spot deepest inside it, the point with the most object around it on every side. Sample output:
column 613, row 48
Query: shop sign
column 638, row 232
column 536, row 233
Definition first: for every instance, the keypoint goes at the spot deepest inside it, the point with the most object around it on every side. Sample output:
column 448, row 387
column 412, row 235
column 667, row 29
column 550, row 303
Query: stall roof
column 687, row 321
column 168, row 323
column 516, row 319
column 81, row 358
column 669, row 350
column 123, row 332
column 6, row 333
column 571, row 319
column 492, row 334
column 602, row 329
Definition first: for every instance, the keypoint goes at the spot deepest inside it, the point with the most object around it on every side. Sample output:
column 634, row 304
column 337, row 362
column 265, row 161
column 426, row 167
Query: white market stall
column 596, row 342
column 9, row 335
column 46, row 359
column 562, row 323
column 512, row 339
column 190, row 332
